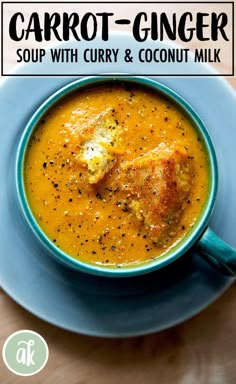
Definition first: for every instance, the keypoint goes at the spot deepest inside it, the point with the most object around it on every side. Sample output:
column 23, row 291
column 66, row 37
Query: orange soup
column 116, row 175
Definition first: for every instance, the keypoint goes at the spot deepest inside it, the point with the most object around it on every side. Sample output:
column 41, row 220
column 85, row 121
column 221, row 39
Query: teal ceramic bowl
column 210, row 246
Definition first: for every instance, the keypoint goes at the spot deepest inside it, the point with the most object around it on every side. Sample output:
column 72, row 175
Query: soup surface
column 116, row 175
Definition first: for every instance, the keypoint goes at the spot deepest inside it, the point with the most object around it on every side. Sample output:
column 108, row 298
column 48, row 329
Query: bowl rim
column 189, row 240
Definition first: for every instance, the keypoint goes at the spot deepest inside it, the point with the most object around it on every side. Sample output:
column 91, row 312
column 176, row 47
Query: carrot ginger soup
column 116, row 175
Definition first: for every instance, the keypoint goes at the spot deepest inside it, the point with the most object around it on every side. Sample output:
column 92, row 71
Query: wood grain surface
column 199, row 351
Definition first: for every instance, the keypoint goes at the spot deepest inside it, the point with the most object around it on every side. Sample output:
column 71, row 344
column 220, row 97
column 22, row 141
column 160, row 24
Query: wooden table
column 199, row 351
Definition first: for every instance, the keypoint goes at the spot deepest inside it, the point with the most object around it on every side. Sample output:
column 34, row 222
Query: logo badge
column 25, row 353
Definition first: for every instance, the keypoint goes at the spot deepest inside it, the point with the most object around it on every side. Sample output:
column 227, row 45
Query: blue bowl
column 190, row 239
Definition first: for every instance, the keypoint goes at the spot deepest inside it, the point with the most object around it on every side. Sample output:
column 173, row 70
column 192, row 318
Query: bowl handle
column 217, row 252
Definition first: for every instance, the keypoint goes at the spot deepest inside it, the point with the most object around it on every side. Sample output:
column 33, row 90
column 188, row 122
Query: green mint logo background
column 38, row 353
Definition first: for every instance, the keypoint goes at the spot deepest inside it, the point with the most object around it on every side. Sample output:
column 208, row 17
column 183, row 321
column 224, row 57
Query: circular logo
column 25, row 353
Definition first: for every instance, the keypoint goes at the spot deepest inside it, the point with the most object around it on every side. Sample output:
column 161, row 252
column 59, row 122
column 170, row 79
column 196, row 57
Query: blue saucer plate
column 106, row 306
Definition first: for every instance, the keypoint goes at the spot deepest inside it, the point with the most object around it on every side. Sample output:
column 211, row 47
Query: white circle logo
column 25, row 353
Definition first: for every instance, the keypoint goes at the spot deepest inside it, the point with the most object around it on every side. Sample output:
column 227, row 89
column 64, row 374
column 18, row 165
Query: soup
column 116, row 175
